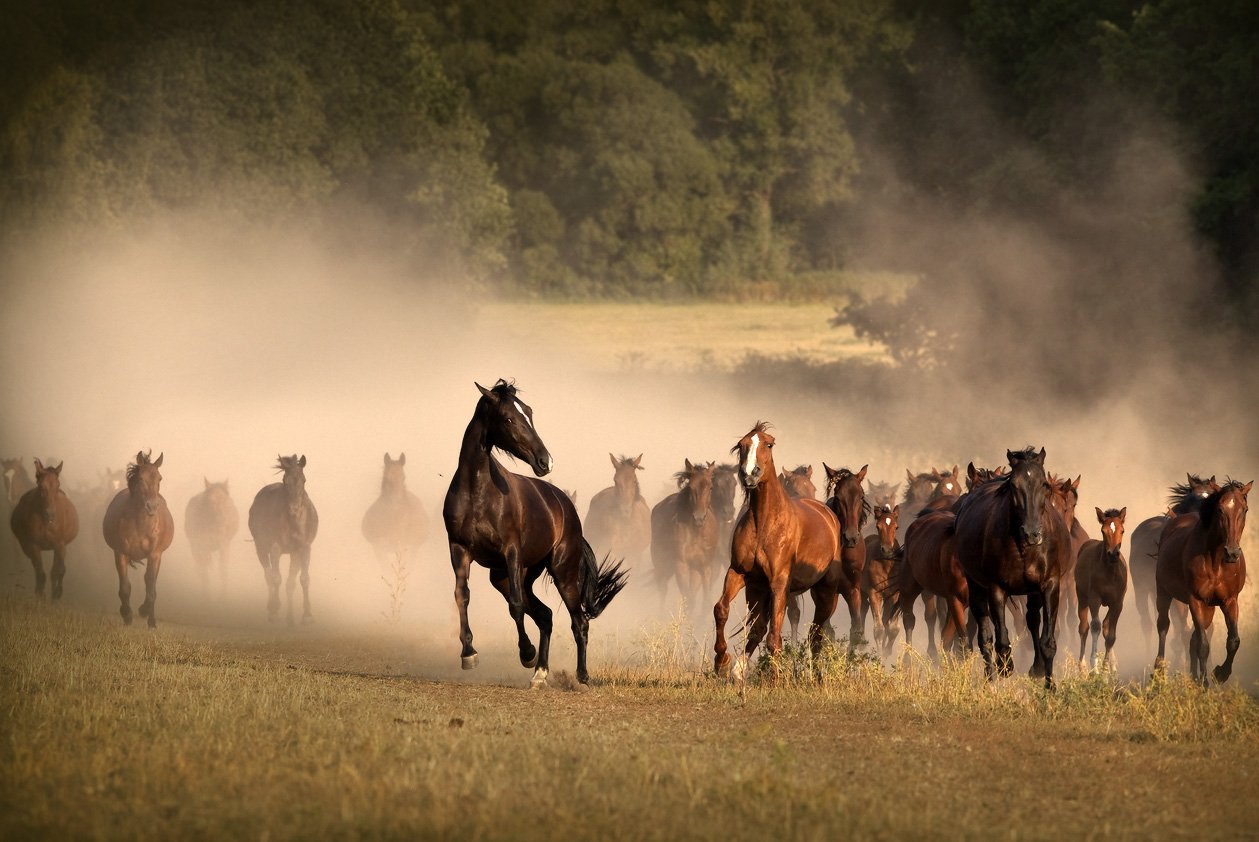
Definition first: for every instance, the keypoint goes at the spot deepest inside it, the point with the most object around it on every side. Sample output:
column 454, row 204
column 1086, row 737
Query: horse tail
column 600, row 582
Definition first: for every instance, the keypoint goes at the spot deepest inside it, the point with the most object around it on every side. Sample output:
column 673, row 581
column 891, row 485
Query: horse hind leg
column 1231, row 644
column 1164, row 622
column 303, row 556
column 58, row 571
column 270, row 562
column 542, row 618
column 793, row 615
column 148, row 608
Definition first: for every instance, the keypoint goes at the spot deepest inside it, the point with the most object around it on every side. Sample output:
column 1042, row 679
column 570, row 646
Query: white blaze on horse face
column 888, row 521
column 948, row 486
column 521, row 410
column 1230, row 503
column 1112, row 527
column 750, row 464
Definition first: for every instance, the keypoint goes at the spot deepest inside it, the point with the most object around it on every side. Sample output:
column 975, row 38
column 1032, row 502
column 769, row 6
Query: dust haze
column 222, row 345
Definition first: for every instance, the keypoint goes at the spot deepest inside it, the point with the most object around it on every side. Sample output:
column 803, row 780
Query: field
column 196, row 731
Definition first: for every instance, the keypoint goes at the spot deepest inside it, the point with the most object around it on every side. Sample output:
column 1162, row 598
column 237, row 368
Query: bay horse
column 948, row 489
column 846, row 497
column 1184, row 498
column 211, row 521
column 395, row 524
column 1201, row 563
column 880, row 494
column 44, row 520
column 930, row 567
column 1011, row 540
column 883, row 553
column 684, row 534
column 283, row 520
column 1065, row 496
column 520, row 527
column 138, row 527
column 798, row 483
column 618, row 522
column 780, row 546
column 920, row 490
column 1101, row 578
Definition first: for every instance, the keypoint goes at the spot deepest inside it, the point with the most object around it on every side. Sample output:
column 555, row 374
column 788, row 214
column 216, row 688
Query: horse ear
column 57, row 470
column 935, row 474
column 388, row 461
column 402, row 458
column 160, row 457
column 1246, row 487
column 301, row 463
column 896, row 510
column 955, row 470
column 1075, row 486
column 1009, row 456
column 638, row 462
column 484, row 391
column 711, row 464
column 862, row 473
column 909, row 475
column 809, row 473
column 1123, row 514
column 39, row 466
column 689, row 466
column 1040, row 457
column 616, row 463
column 830, row 472
column 1100, row 517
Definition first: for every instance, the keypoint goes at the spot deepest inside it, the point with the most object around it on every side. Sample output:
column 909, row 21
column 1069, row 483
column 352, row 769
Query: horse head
column 508, row 425
column 394, row 478
column 848, row 501
column 1064, row 494
column 882, row 493
column 48, row 481
column 217, row 492
column 725, row 484
column 946, row 483
column 919, row 487
column 294, row 480
column 1112, row 531
column 695, row 484
column 756, row 459
column 1029, row 487
column 1227, row 508
column 976, row 476
column 888, row 520
column 625, row 480
column 798, row 482
column 144, row 481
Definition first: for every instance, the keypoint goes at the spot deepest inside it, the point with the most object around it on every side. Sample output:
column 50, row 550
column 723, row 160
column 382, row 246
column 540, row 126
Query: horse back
column 819, row 533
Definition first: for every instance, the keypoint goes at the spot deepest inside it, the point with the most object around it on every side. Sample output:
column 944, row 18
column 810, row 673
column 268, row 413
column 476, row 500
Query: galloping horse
column 921, row 490
column 395, row 523
column 684, row 535
column 138, row 526
column 45, row 520
column 847, row 499
column 1200, row 562
column 211, row 522
column 1101, row 578
column 1185, row 498
column 520, row 527
column 283, row 520
column 780, row 546
column 725, row 487
column 1065, row 496
column 1010, row 540
column 618, row 522
column 929, row 566
column 882, row 555
column 16, row 483
column 798, row 483
column 880, row 495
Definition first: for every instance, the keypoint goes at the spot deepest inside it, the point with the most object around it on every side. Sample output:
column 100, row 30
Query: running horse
column 138, row 527
column 798, row 483
column 16, row 483
column 922, row 490
column 1065, row 496
column 395, row 524
column 725, row 488
column 1200, row 562
column 520, row 527
column 211, row 521
column 283, row 520
column 684, row 534
column 929, row 567
column 1101, row 578
column 1011, row 540
column 883, row 552
column 618, row 521
column 780, row 546
column 846, row 497
column 44, row 520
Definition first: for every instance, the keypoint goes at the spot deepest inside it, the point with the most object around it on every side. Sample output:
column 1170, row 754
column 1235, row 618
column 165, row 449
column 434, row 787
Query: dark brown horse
column 883, row 553
column 1184, row 498
column 846, row 497
column 16, row 483
column 684, row 535
column 138, row 526
column 929, row 567
column 618, row 522
column 395, row 524
column 520, row 527
column 725, row 489
column 1200, row 562
column 780, row 546
column 1101, row 578
column 44, row 520
column 211, row 521
column 283, row 521
column 1011, row 540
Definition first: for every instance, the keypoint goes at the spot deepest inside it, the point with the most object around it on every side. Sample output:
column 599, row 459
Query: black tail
column 600, row 582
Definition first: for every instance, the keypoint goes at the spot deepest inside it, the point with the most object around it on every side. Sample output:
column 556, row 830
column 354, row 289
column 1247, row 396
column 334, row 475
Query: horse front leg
column 1200, row 644
column 290, row 585
column 303, row 556
column 1001, row 631
column 461, row 561
column 1109, row 626
column 1232, row 644
column 58, row 570
column 1164, row 622
column 270, row 562
column 825, row 600
column 1034, row 618
column 856, row 624
column 148, row 608
column 930, row 616
column 735, row 582
column 225, row 554
column 778, row 594
column 37, row 562
column 123, row 566
column 979, row 607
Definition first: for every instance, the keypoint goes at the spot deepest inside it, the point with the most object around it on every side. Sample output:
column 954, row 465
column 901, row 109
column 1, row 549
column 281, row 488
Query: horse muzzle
column 1033, row 537
column 1232, row 554
column 700, row 518
column 751, row 480
column 150, row 507
column 850, row 539
column 542, row 464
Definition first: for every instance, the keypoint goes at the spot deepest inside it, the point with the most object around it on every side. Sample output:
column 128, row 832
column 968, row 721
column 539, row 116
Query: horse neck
column 768, row 497
column 476, row 464
column 390, row 487
column 627, row 491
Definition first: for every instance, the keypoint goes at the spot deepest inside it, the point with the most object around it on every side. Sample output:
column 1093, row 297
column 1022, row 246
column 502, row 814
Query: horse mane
column 1211, row 505
column 909, row 487
column 759, row 427
column 504, row 388
column 1110, row 513
column 1179, row 491
column 133, row 469
column 1026, row 454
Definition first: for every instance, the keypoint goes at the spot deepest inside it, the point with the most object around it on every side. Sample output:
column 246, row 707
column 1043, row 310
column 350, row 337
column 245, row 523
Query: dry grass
column 113, row 732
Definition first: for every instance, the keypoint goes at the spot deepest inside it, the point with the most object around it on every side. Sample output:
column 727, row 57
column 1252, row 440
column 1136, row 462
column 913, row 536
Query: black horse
column 520, row 527
column 1011, row 540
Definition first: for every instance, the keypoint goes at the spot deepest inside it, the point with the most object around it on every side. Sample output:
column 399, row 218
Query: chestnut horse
column 921, row 490
column 1101, row 578
column 1065, row 496
column 880, row 494
column 798, row 483
column 947, row 491
column 283, row 520
column 846, row 497
column 929, row 567
column 138, row 527
column 618, row 522
column 1200, row 562
column 395, row 524
column 44, row 520
column 780, row 546
column 1011, row 540
column 684, row 535
column 1186, row 497
column 520, row 527
column 211, row 521
column 883, row 553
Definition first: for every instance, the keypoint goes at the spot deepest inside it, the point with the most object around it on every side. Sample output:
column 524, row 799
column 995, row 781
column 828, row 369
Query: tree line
column 622, row 147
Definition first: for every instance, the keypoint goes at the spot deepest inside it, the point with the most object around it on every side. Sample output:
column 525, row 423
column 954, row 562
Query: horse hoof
column 721, row 666
column 529, row 658
column 469, row 662
column 152, row 622
column 1221, row 674
column 145, row 609
column 538, row 681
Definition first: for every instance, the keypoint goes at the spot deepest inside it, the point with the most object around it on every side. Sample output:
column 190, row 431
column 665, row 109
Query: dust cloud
column 222, row 345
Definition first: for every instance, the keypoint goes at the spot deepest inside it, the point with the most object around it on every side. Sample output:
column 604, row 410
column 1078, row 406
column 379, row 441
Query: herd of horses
column 1006, row 548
